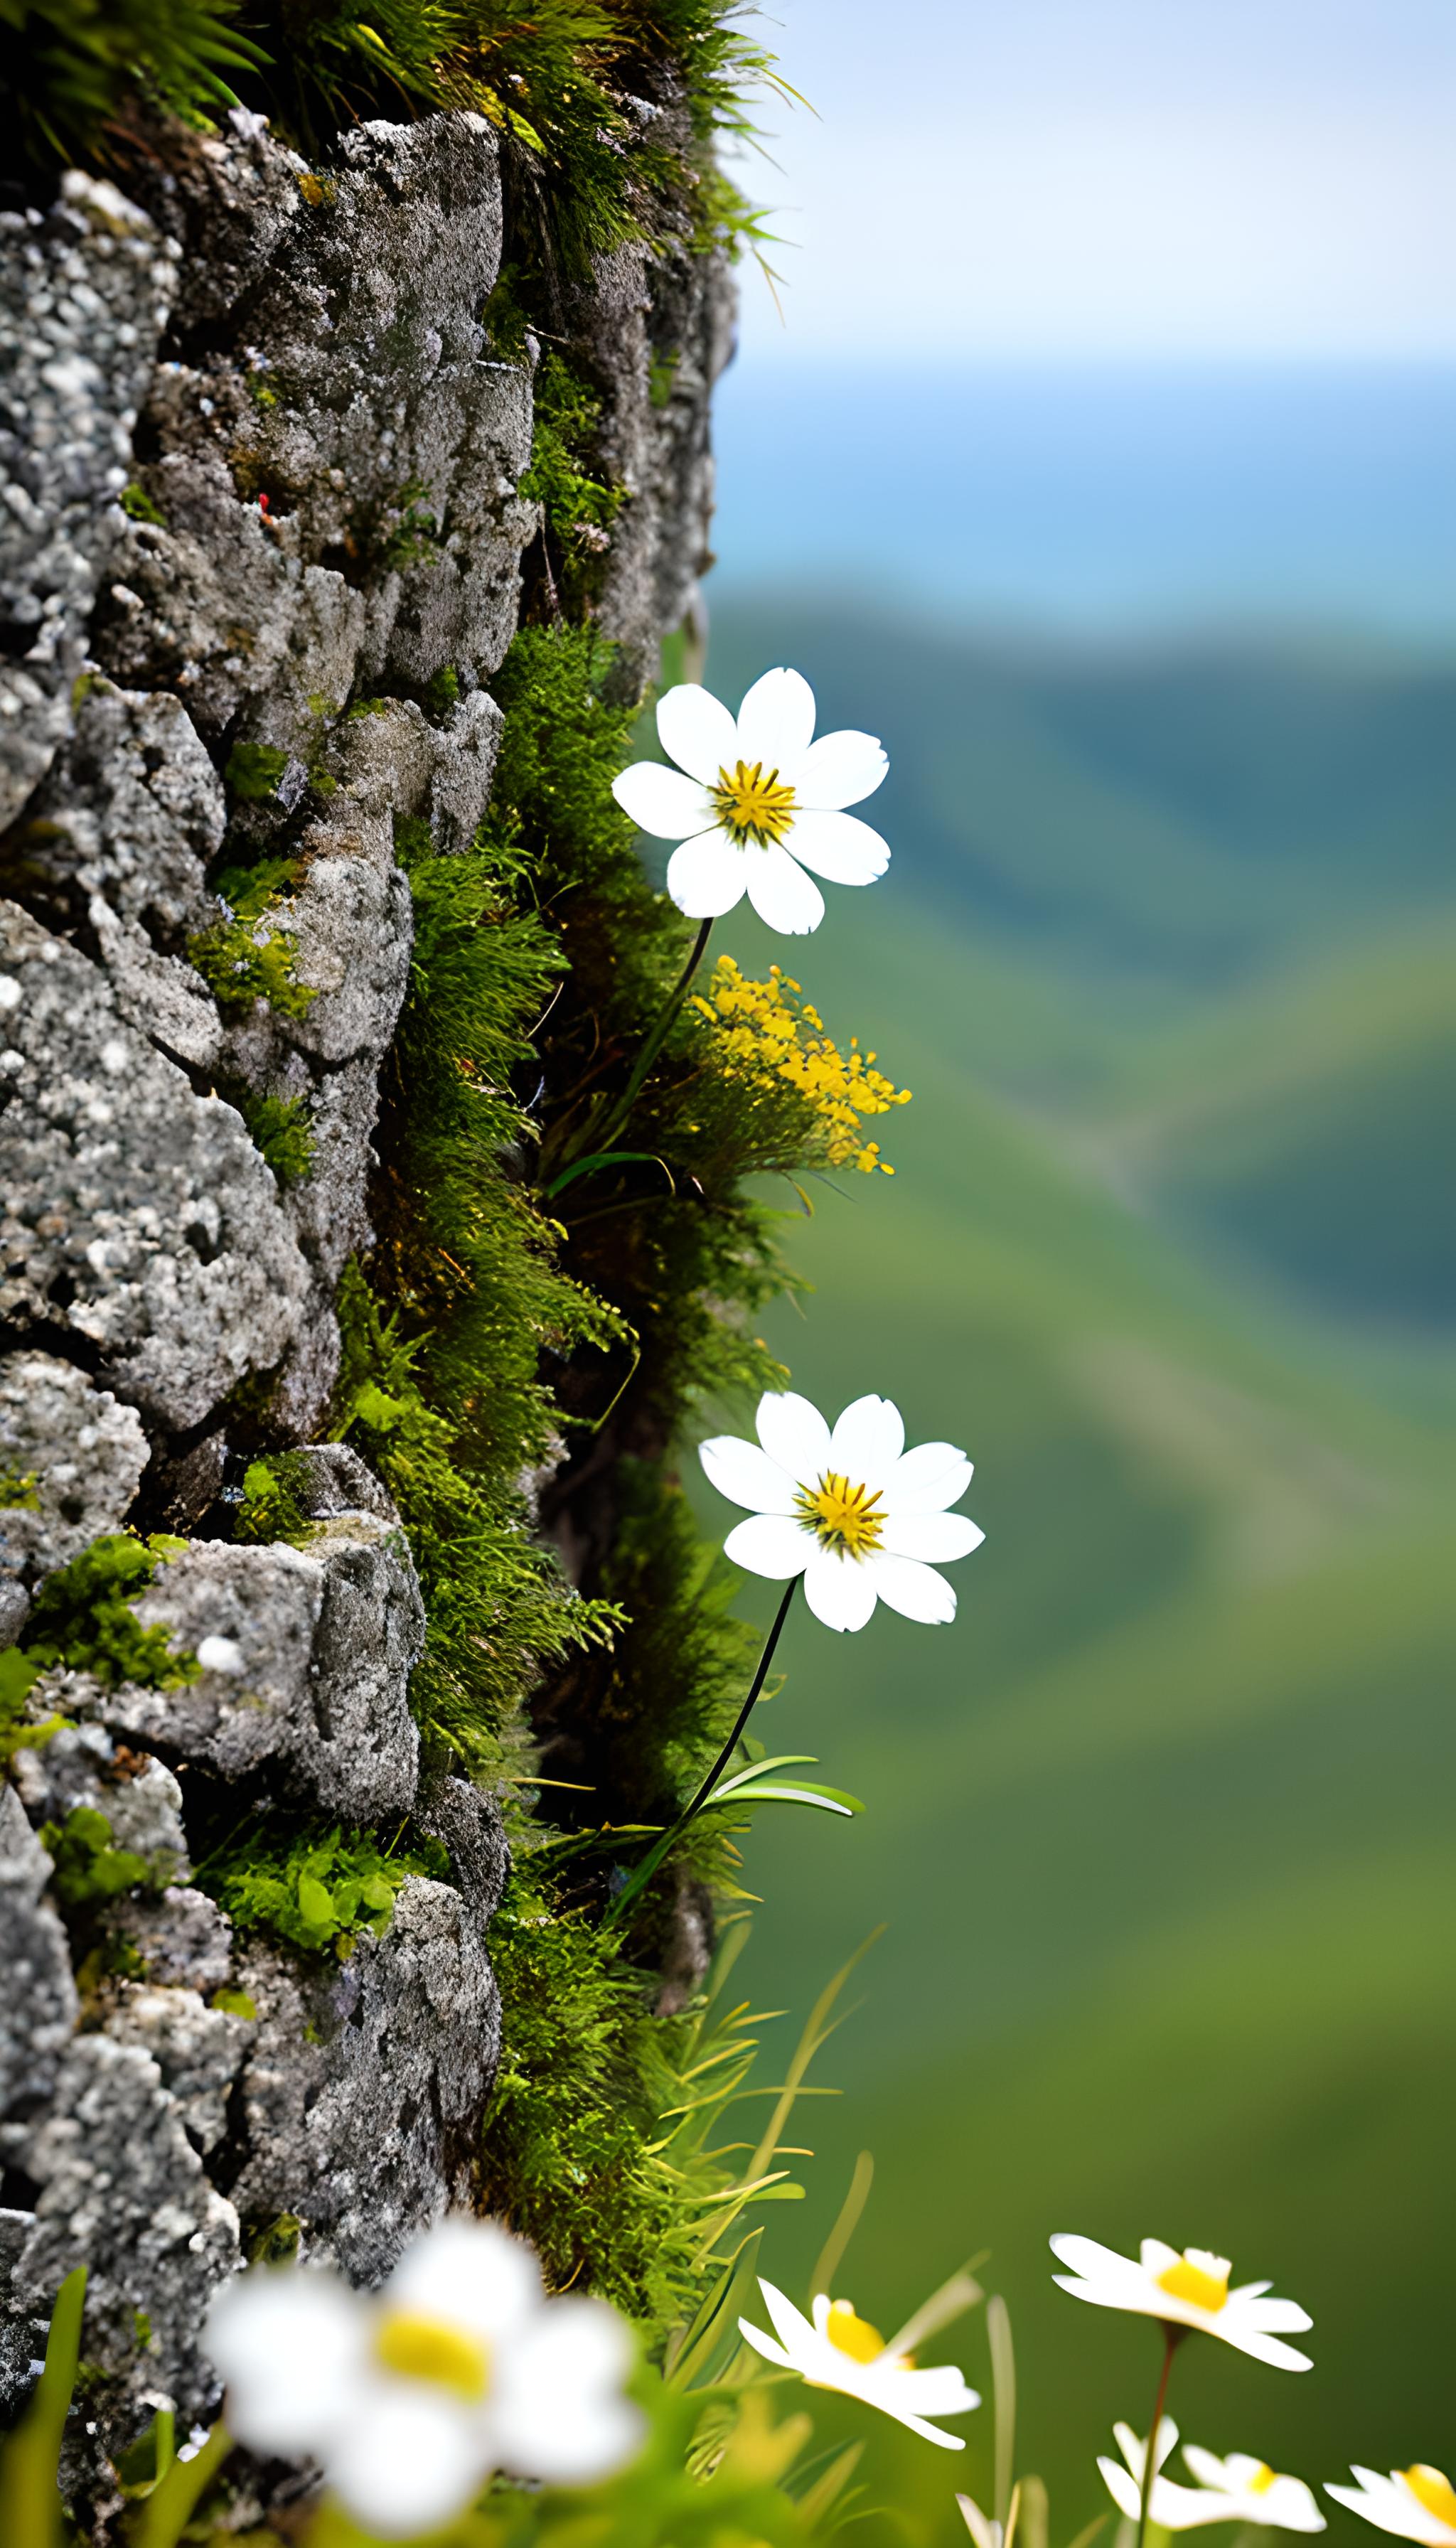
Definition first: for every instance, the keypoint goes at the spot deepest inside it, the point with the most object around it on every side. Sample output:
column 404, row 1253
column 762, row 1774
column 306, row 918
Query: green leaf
column 316, row 1903
column 606, row 1159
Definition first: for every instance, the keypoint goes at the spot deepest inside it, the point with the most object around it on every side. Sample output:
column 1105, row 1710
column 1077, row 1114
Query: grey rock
column 197, row 2051
column 122, row 2191
column 22, row 2333
column 364, row 2088
column 469, row 1824
column 83, row 1453
column 132, row 1211
column 39, row 2007
column 180, row 1936
column 80, row 1768
column 307, row 1654
column 85, row 294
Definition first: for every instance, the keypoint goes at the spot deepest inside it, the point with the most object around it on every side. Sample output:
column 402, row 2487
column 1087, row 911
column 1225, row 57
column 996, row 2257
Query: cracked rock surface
column 261, row 555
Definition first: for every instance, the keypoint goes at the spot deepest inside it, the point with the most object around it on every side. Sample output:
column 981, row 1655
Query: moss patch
column 82, row 1616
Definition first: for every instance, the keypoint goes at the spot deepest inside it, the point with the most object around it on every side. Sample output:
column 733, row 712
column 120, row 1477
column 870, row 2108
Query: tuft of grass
column 579, row 503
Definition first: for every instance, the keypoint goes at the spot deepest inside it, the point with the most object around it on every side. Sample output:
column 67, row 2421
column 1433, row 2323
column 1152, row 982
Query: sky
column 985, row 180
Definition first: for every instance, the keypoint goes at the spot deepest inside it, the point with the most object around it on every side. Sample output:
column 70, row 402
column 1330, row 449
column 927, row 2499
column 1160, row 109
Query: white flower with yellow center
column 410, row 2398
column 1417, row 2502
column 1187, row 2290
column 755, row 801
column 1236, row 2488
column 857, row 1516
column 838, row 2350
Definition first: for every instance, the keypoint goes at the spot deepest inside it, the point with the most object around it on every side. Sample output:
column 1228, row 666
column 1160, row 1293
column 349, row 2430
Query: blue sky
column 1043, row 179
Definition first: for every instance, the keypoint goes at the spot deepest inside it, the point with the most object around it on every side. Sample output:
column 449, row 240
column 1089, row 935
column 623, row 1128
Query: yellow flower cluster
column 770, row 1030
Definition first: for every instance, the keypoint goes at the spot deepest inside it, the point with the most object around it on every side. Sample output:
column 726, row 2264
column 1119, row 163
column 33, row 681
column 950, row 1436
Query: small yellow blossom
column 769, row 1029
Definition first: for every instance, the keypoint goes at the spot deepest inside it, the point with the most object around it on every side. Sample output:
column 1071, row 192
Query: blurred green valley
column 1162, row 1827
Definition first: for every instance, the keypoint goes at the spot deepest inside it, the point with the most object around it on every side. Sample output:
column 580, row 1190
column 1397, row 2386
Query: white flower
column 1191, row 2290
column 1237, row 2489
column 839, row 2350
column 857, row 1516
column 412, row 2397
column 1417, row 2502
column 754, row 800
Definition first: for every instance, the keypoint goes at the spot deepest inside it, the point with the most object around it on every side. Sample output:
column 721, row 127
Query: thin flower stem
column 643, row 1874
column 602, row 1134
column 1171, row 2339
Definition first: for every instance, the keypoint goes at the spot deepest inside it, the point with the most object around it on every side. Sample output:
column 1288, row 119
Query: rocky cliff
column 275, row 509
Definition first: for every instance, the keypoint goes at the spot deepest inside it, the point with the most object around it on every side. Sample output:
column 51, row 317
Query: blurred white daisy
column 1187, row 2290
column 1236, row 2488
column 857, row 1516
column 410, row 2398
column 838, row 2350
column 1417, row 2502
column 755, row 801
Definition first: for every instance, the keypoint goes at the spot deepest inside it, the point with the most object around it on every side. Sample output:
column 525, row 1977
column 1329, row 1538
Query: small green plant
column 88, row 1870
column 18, row 1493
column 138, row 506
column 271, row 1509
column 82, row 1615
column 316, row 1891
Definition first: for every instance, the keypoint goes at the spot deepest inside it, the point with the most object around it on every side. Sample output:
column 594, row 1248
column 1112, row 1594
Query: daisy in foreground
column 838, row 2350
column 1236, row 2488
column 1417, row 2502
column 1184, row 2291
column 755, row 801
column 412, row 2397
column 857, row 1516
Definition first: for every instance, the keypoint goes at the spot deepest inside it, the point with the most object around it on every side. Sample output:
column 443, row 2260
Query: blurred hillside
column 1161, row 1826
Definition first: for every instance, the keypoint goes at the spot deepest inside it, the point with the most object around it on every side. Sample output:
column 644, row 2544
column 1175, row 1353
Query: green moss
column 237, row 963
column 253, row 772
column 89, row 1871
column 416, row 535
column 82, row 1615
column 235, row 2003
column 578, row 503
column 138, row 506
column 571, row 2154
column 315, row 1889
column 18, row 1493
column 282, row 1129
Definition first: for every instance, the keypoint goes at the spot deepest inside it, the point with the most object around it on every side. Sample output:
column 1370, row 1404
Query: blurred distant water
column 1120, row 500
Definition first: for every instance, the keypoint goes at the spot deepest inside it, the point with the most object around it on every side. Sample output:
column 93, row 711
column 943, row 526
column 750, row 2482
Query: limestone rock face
column 261, row 554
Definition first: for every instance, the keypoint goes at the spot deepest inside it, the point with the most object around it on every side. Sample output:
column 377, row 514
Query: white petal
column 1089, row 2257
column 776, row 723
column 290, row 2344
column 793, row 1432
column 410, row 2460
column 838, row 769
column 663, row 801
column 914, row 1591
column 839, row 846
column 1123, row 2490
column 770, row 1545
column 935, row 1538
column 1209, row 2470
column 471, row 2274
column 765, row 2345
column 746, row 1475
column 791, row 2325
column 839, row 1590
column 867, row 1441
column 932, row 1476
column 558, row 2411
column 780, row 891
column 697, row 731
column 706, row 876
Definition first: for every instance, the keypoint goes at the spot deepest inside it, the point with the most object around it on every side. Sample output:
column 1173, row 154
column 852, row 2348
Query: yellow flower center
column 853, row 2335
column 430, row 2348
column 1432, row 2489
column 1262, row 2478
column 1186, row 2281
column 751, row 806
column 843, row 1518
